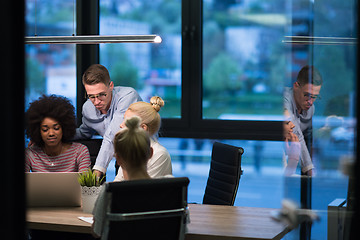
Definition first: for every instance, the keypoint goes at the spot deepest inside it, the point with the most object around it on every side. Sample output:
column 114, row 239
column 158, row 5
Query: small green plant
column 89, row 179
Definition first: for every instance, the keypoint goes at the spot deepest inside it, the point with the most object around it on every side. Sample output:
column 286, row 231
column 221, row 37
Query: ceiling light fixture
column 309, row 40
column 93, row 39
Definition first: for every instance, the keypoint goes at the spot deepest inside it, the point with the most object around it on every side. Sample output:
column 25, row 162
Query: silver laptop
column 52, row 189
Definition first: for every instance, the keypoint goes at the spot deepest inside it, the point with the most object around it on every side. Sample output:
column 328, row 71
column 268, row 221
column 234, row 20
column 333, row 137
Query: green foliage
column 338, row 77
column 50, row 12
column 164, row 17
column 35, row 77
column 277, row 68
column 223, row 74
column 169, row 10
column 213, row 42
column 89, row 179
column 122, row 70
column 256, row 104
column 125, row 74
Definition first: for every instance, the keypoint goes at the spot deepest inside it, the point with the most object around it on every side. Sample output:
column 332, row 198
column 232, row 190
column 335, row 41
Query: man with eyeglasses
column 299, row 101
column 103, row 112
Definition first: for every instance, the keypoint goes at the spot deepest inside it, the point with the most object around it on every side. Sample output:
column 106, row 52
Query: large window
column 151, row 69
column 50, row 69
column 333, row 52
column 243, row 59
column 221, row 69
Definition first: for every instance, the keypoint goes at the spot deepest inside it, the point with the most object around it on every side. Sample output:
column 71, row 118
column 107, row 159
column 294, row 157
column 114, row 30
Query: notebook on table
column 52, row 189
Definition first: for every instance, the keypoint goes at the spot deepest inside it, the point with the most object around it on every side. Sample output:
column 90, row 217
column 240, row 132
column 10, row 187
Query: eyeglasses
column 309, row 96
column 100, row 96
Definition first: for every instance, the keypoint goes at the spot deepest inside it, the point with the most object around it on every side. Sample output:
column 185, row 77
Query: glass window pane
column 261, row 184
column 334, row 120
column 152, row 69
column 50, row 68
column 243, row 59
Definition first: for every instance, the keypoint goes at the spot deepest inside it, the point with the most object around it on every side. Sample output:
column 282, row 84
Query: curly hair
column 53, row 106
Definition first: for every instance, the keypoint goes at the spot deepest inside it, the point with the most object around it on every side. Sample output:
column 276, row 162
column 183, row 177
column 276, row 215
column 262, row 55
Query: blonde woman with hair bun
column 159, row 165
column 132, row 149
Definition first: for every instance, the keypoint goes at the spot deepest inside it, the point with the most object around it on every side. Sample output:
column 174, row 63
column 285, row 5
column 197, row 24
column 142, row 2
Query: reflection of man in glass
column 292, row 146
column 104, row 111
column 299, row 101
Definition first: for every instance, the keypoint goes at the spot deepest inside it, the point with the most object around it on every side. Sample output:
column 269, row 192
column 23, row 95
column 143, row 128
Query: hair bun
column 157, row 103
column 133, row 123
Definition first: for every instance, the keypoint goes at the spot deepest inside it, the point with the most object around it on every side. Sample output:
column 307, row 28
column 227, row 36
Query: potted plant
column 90, row 189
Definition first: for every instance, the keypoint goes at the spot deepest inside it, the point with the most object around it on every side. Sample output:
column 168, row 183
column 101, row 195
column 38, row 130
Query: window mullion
column 87, row 23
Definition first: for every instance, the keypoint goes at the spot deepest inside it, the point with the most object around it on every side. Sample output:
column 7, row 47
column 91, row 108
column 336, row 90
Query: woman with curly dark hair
column 50, row 125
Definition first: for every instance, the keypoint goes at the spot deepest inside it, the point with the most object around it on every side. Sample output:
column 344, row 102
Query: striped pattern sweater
column 75, row 159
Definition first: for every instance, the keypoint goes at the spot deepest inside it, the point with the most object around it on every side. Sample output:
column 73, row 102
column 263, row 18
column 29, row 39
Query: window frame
column 87, row 23
column 191, row 124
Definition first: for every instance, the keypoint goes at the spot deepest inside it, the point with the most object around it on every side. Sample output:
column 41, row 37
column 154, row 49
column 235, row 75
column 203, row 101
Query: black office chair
column 147, row 209
column 94, row 147
column 224, row 174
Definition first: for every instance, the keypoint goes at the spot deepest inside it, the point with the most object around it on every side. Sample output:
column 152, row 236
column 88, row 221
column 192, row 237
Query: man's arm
column 306, row 162
column 106, row 152
column 84, row 131
column 104, row 157
column 308, row 136
column 292, row 150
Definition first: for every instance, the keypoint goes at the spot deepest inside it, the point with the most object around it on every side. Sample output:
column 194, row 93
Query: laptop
column 52, row 189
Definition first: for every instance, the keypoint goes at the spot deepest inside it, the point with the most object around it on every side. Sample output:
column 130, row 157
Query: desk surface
column 206, row 222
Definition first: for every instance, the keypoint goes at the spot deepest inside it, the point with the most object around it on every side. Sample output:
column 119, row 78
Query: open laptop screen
column 52, row 189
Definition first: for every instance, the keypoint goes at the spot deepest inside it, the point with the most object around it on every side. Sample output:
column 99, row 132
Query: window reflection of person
column 292, row 146
column 299, row 101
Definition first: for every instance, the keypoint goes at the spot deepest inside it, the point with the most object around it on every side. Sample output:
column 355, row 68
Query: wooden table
column 228, row 222
column 206, row 222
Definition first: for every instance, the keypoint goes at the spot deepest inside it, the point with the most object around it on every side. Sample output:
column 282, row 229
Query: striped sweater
column 75, row 159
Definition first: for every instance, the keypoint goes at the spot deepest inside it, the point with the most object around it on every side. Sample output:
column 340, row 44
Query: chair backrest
column 94, row 147
column 224, row 174
column 147, row 209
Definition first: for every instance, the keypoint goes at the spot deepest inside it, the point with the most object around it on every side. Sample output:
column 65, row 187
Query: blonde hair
column 132, row 144
column 149, row 113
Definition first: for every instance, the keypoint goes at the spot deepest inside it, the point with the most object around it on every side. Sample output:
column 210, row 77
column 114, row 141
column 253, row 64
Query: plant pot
column 88, row 197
